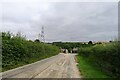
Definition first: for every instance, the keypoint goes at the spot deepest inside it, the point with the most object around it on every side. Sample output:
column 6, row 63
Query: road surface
column 59, row 66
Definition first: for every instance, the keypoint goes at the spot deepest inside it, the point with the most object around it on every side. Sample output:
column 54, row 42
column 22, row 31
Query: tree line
column 70, row 45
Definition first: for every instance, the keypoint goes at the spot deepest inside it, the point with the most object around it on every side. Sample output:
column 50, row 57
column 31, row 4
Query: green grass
column 89, row 71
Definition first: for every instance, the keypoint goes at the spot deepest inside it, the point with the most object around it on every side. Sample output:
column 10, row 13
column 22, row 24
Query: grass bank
column 89, row 71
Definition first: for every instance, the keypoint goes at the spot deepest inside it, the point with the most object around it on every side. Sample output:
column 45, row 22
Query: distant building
column 74, row 50
column 62, row 50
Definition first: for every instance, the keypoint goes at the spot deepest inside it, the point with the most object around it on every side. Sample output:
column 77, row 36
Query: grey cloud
column 66, row 21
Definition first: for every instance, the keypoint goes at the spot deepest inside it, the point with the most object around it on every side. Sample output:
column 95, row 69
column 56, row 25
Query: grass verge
column 89, row 71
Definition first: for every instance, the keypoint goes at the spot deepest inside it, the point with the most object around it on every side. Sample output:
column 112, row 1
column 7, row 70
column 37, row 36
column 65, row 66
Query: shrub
column 104, row 56
column 17, row 51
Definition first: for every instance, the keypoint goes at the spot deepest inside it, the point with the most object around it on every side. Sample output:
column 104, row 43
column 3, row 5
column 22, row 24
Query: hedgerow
column 17, row 51
column 106, row 57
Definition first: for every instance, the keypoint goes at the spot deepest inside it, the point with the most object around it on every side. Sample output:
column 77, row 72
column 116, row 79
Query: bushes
column 88, row 71
column 104, row 56
column 72, row 45
column 17, row 51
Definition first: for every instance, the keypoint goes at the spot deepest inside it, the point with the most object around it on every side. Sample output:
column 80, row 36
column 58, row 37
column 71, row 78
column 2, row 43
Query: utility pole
column 39, row 37
column 43, row 39
column 42, row 35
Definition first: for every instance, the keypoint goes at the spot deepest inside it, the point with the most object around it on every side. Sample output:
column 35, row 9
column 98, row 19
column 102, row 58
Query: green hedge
column 104, row 56
column 17, row 51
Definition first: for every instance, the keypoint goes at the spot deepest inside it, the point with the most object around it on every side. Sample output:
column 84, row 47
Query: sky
column 93, row 20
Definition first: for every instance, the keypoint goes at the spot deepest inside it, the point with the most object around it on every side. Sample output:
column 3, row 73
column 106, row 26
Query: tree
column 37, row 40
column 6, row 36
column 19, row 34
column 90, row 42
column 110, row 41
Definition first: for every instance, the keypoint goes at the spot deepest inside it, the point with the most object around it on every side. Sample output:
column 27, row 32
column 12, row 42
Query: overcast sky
column 62, row 21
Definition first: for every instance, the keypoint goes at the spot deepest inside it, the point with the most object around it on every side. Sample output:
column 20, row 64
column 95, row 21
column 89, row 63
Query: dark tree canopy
column 37, row 40
column 90, row 42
